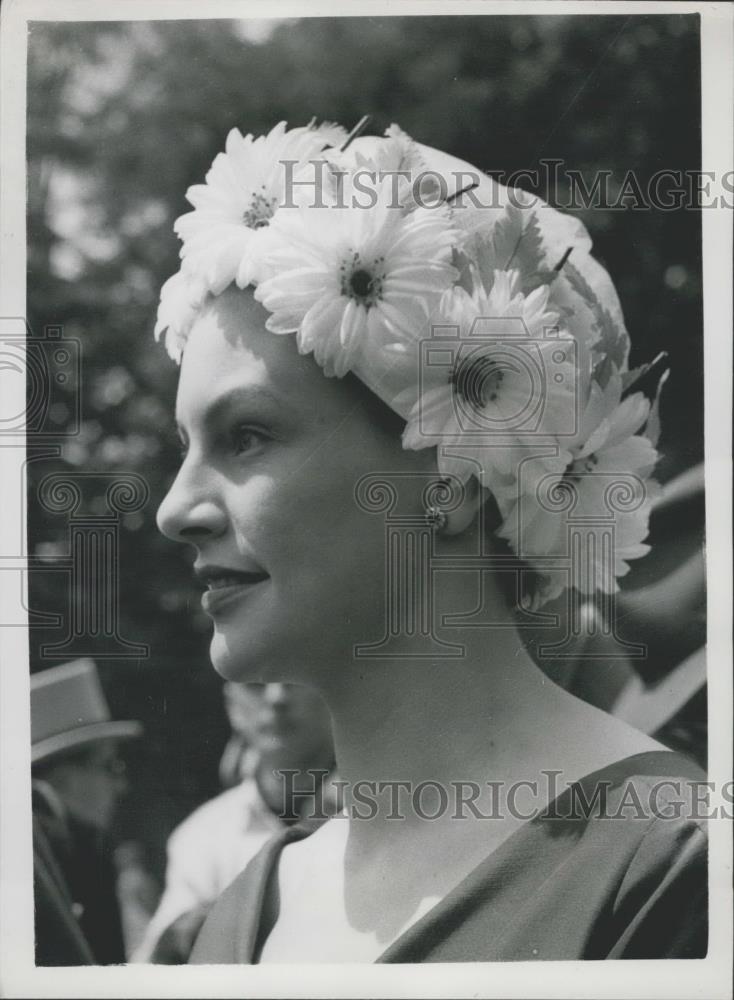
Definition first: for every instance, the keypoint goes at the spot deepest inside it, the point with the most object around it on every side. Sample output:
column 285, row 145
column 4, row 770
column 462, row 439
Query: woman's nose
column 190, row 511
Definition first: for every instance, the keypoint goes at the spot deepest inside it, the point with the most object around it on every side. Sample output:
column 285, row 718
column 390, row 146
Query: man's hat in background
column 69, row 710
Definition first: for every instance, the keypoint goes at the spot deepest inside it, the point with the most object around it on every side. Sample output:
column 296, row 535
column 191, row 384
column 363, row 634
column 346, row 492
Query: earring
column 436, row 518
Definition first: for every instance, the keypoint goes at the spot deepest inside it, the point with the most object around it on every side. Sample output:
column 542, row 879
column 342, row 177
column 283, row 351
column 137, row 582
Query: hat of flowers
column 474, row 311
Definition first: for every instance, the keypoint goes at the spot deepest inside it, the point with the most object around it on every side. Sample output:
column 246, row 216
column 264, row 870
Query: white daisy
column 244, row 187
column 344, row 278
column 506, row 384
column 607, row 475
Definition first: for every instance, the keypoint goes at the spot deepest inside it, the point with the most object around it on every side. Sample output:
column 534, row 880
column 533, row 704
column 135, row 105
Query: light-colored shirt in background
column 206, row 852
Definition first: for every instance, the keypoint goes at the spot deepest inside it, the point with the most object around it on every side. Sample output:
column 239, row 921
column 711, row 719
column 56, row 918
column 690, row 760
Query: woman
column 481, row 382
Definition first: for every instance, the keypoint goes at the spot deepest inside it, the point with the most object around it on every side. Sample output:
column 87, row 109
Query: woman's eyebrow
column 237, row 396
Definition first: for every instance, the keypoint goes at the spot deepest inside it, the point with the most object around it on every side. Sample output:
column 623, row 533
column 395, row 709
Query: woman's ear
column 466, row 512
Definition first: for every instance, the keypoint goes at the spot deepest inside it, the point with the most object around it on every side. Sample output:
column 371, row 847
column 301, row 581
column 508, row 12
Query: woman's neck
column 479, row 717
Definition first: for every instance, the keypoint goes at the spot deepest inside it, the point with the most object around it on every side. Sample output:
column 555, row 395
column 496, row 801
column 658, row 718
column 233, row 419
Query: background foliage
column 122, row 117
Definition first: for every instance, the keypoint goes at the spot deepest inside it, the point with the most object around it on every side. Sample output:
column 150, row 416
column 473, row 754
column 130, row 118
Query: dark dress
column 581, row 881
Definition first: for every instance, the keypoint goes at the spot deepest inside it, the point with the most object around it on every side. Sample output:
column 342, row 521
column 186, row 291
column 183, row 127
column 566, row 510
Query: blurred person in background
column 275, row 728
column 78, row 779
column 666, row 695
column 662, row 692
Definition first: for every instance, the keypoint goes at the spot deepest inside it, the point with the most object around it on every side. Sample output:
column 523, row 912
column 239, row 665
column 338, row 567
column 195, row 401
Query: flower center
column 261, row 210
column 478, row 380
column 360, row 281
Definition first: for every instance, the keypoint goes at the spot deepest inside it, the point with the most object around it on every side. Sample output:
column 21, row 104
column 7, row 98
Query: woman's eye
column 246, row 439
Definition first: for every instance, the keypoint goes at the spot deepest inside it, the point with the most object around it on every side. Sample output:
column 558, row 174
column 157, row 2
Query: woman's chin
column 248, row 656
column 244, row 651
column 234, row 661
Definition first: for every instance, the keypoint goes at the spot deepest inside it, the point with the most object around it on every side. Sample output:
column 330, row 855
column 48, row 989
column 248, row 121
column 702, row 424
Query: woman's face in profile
column 273, row 451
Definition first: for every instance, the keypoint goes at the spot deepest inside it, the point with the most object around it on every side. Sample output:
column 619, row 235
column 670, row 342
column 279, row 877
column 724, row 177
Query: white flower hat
column 474, row 311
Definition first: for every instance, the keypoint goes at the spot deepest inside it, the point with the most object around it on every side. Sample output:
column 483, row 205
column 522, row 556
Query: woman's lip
column 215, row 601
column 222, row 580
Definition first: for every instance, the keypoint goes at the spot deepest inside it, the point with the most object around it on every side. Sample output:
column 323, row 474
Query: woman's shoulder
column 645, row 787
column 615, row 867
column 638, row 826
column 653, row 765
column 654, row 820
column 630, row 771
